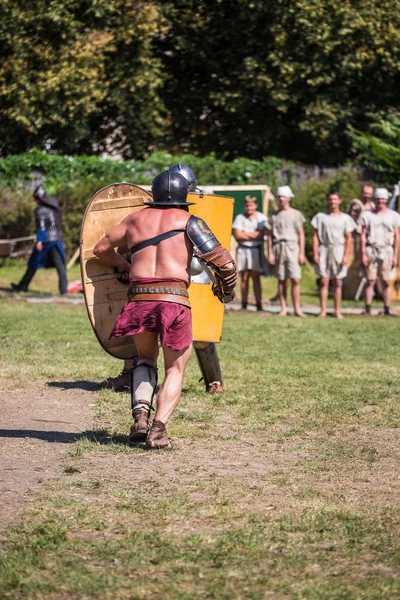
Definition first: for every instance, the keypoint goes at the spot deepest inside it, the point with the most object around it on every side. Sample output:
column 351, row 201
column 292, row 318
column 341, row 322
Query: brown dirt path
column 38, row 425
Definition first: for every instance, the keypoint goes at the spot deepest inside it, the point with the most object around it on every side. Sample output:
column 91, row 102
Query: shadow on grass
column 98, row 436
column 27, row 294
column 88, row 386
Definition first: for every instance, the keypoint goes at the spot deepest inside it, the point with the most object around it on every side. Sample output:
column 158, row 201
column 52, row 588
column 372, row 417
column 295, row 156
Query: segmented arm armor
column 216, row 257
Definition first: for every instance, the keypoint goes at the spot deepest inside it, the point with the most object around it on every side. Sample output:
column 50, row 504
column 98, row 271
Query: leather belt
column 174, row 292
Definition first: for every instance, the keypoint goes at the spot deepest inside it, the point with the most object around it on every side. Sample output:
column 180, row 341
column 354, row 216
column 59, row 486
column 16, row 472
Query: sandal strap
column 158, row 425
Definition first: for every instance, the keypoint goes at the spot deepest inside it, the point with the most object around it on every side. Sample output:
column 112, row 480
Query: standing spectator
column 331, row 245
column 355, row 211
column 49, row 250
column 286, row 248
column 367, row 193
column 380, row 247
column 249, row 229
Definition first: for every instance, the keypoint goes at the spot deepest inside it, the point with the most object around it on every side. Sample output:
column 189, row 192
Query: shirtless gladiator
column 162, row 238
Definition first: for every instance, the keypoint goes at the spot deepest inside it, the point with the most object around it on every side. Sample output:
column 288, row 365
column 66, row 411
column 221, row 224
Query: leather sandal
column 157, row 437
column 140, row 428
column 121, row 383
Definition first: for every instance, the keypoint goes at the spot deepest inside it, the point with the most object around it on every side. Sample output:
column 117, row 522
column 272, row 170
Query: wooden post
column 74, row 258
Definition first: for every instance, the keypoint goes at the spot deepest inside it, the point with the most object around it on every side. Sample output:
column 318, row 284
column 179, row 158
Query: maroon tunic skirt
column 172, row 321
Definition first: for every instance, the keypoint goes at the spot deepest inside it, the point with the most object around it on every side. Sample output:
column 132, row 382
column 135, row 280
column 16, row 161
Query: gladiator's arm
column 217, row 258
column 104, row 249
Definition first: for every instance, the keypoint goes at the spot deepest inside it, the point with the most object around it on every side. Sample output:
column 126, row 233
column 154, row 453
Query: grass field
column 287, row 486
column 45, row 282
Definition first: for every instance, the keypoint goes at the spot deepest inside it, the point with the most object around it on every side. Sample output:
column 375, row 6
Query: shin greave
column 143, row 384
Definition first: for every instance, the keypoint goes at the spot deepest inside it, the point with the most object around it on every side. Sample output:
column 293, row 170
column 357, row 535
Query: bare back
column 169, row 258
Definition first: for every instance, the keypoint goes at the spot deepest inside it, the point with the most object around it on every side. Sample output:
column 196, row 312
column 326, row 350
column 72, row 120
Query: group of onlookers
column 369, row 218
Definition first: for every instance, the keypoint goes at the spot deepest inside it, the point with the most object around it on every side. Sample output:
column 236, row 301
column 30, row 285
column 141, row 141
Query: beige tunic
column 380, row 229
column 250, row 253
column 284, row 226
column 332, row 231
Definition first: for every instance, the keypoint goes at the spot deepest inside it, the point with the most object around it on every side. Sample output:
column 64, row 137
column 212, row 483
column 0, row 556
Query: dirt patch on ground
column 350, row 467
column 38, row 425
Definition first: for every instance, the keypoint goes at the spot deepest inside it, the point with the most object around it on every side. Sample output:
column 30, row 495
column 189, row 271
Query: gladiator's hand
column 365, row 260
column 39, row 246
column 316, row 259
column 302, row 260
column 344, row 261
column 223, row 296
column 271, row 259
column 123, row 273
column 394, row 262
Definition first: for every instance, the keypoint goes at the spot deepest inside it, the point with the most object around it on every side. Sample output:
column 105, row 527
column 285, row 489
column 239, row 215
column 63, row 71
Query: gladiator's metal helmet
column 40, row 194
column 169, row 189
column 187, row 174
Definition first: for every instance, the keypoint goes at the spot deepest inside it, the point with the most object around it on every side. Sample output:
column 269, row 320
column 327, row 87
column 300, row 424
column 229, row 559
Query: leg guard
column 209, row 366
column 143, row 383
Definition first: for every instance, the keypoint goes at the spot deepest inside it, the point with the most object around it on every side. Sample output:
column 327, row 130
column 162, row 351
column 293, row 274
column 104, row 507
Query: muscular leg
column 170, row 392
column 210, row 368
column 255, row 275
column 168, row 396
column 244, row 287
column 323, row 294
column 282, row 297
column 143, row 384
column 296, row 298
column 337, row 296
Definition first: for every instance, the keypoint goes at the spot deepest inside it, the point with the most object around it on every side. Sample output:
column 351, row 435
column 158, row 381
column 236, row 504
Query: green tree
column 79, row 76
column 284, row 77
column 379, row 147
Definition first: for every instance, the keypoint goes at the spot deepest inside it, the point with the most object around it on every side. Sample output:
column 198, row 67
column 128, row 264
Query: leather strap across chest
column 156, row 239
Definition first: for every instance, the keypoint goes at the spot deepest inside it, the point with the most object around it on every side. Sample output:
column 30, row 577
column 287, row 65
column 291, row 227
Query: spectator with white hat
column 380, row 248
column 286, row 248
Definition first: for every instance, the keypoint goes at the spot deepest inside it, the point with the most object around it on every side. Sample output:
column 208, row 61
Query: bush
column 74, row 180
column 18, row 171
column 16, row 213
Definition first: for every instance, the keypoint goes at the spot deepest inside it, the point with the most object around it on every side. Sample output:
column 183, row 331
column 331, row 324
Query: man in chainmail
column 48, row 250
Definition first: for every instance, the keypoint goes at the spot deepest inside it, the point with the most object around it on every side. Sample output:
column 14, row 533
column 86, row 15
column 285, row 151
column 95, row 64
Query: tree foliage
column 245, row 78
column 79, row 76
column 282, row 77
column 378, row 148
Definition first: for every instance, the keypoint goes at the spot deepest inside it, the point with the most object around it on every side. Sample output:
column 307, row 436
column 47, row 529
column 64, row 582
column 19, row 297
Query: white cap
column 381, row 193
column 285, row 191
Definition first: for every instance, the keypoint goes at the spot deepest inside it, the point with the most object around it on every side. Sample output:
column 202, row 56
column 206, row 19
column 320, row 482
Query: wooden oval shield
column 104, row 294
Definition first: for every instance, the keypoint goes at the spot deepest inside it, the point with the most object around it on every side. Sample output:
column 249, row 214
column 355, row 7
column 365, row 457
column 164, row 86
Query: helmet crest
column 187, row 174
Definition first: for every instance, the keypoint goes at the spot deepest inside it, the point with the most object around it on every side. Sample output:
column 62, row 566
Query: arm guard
column 209, row 251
